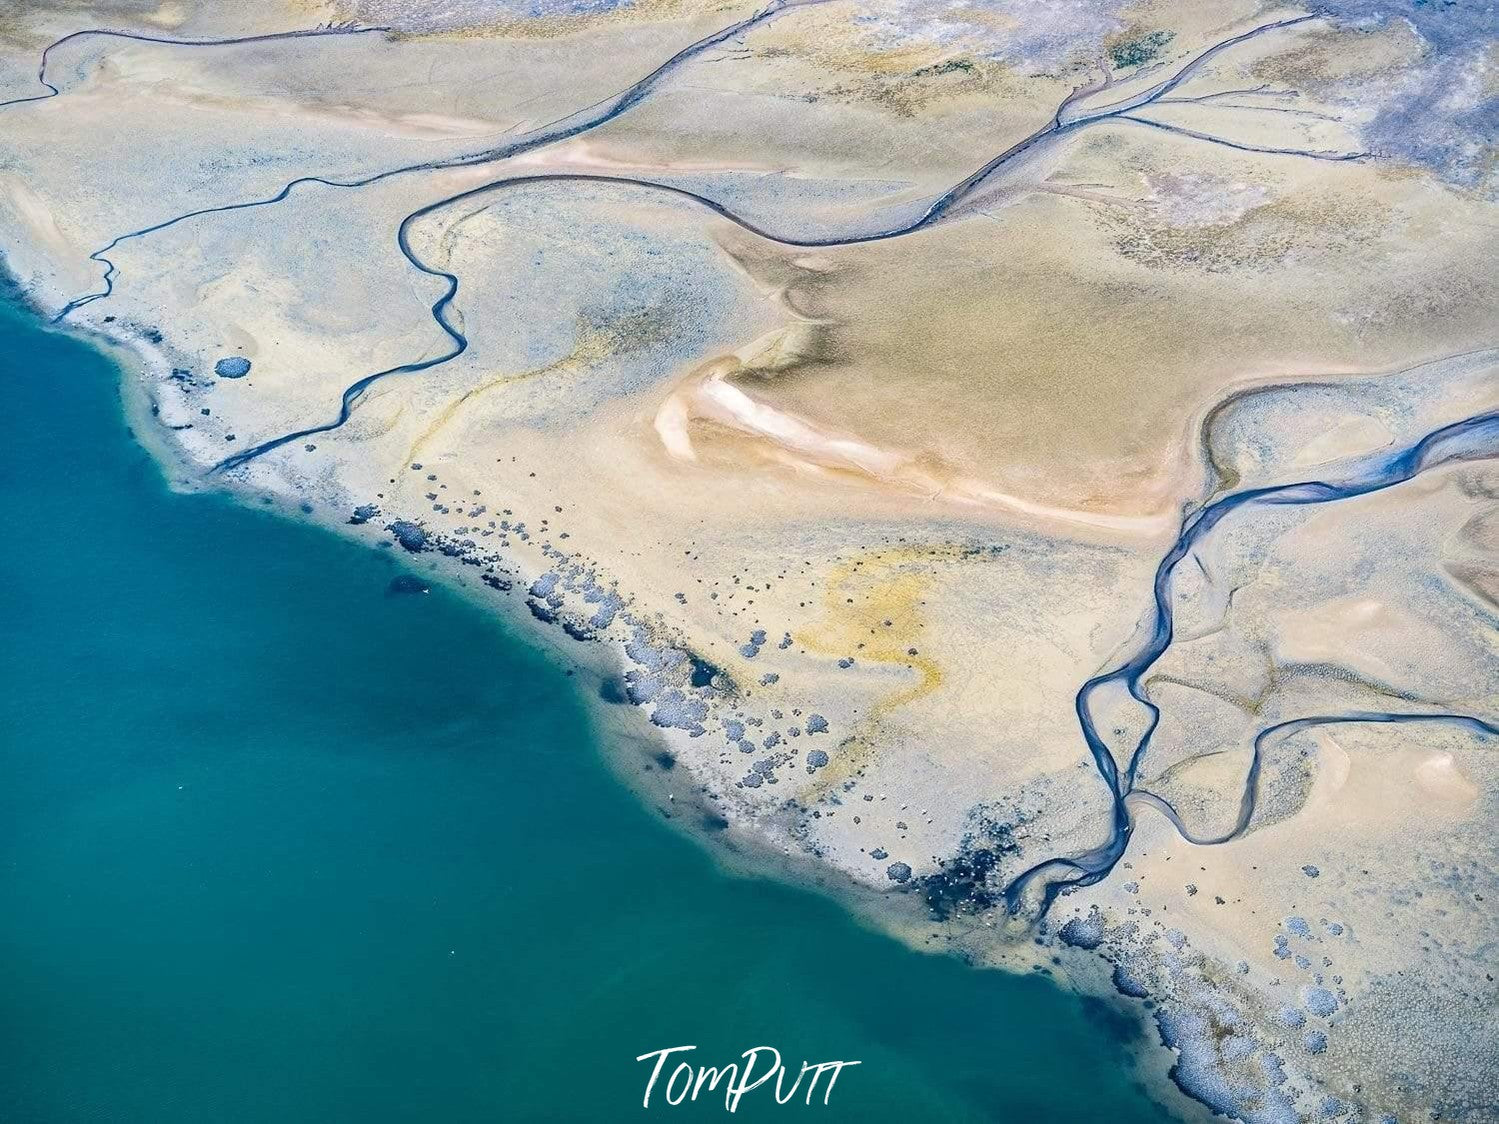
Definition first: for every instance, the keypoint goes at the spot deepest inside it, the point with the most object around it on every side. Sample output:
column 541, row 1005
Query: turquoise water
column 275, row 846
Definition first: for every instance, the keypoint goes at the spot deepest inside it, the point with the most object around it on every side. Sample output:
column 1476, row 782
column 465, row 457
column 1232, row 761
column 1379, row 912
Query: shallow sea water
column 277, row 846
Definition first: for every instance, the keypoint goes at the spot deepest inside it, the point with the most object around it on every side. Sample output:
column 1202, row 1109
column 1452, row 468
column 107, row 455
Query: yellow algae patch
column 872, row 612
column 451, row 410
column 594, row 343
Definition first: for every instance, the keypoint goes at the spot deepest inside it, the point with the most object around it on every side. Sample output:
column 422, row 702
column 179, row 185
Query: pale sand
column 936, row 472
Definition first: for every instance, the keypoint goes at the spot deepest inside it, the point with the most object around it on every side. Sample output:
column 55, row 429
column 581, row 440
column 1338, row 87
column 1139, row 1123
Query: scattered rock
column 1083, row 932
column 412, row 536
column 232, row 367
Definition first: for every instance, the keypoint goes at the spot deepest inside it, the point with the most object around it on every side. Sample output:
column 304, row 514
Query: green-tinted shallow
column 275, row 846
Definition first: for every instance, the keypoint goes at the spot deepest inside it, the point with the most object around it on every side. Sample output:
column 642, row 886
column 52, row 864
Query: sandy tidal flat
column 1034, row 469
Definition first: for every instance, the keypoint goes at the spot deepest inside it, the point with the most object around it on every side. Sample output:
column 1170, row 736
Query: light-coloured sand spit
column 853, row 523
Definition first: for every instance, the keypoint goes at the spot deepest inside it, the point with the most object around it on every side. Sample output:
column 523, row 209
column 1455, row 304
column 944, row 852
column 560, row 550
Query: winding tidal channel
column 1073, row 114
column 1474, row 438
